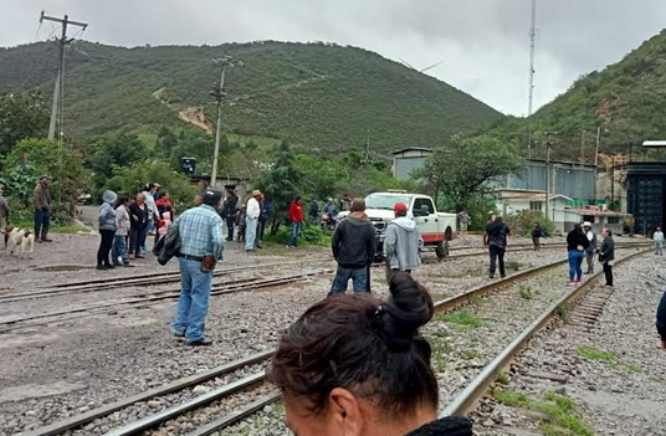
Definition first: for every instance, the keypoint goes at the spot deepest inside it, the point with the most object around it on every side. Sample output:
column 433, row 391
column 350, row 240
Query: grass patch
column 477, row 299
column 469, row 354
column 562, row 311
column 526, row 293
column 502, row 378
column 441, row 349
column 656, row 379
column 590, row 353
column 563, row 418
column 463, row 320
column 513, row 266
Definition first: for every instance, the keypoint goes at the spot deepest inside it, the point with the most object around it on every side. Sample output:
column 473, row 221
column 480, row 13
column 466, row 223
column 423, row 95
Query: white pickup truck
column 431, row 224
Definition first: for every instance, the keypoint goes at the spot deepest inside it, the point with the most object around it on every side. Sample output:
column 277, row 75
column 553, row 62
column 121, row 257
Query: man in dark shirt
column 354, row 249
column 229, row 210
column 497, row 232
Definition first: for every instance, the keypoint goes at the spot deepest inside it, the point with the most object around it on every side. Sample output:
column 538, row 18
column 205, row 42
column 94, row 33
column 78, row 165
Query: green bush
column 523, row 223
column 310, row 235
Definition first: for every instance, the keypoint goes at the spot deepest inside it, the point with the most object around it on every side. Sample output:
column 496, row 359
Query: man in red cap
column 401, row 242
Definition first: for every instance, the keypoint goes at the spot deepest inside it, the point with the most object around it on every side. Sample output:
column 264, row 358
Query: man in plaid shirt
column 200, row 232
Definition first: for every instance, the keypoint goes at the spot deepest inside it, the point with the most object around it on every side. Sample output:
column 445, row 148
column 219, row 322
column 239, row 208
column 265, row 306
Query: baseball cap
column 400, row 207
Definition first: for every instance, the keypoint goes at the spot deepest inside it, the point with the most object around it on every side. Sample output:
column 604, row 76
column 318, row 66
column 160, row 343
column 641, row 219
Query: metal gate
column 645, row 196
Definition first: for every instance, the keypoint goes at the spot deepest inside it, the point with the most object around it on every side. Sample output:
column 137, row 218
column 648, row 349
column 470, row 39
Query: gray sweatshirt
column 107, row 216
column 401, row 244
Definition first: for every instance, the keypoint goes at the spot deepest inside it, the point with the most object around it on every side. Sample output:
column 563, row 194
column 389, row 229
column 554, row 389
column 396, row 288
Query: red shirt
column 296, row 213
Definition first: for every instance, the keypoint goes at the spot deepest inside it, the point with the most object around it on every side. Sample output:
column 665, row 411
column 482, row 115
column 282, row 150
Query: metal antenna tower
column 533, row 33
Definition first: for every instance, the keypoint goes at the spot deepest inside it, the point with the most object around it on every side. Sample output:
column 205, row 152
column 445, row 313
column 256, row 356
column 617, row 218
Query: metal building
column 646, row 183
column 407, row 160
column 570, row 179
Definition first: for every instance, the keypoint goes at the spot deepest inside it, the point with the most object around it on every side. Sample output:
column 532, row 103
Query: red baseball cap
column 400, row 207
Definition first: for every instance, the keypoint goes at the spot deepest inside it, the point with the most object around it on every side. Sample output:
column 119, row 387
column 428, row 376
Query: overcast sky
column 484, row 44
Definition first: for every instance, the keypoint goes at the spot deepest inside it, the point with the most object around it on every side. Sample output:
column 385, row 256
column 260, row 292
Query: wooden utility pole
column 219, row 94
column 549, row 144
column 59, row 89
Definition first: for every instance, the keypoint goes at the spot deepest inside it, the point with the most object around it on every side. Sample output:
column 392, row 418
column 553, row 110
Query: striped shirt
column 200, row 231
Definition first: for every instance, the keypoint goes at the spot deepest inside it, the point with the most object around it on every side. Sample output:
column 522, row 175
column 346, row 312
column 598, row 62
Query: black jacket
column 140, row 213
column 661, row 318
column 229, row 208
column 574, row 239
column 449, row 426
column 497, row 232
column 354, row 243
column 607, row 252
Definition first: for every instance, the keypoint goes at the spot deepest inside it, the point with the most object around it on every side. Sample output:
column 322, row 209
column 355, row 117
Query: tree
column 62, row 162
column 113, row 150
column 463, row 169
column 22, row 116
column 281, row 184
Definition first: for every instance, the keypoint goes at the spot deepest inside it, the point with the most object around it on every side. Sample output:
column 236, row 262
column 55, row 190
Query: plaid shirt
column 201, row 232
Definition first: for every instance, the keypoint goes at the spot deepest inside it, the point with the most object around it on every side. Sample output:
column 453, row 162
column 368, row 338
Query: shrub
column 523, row 223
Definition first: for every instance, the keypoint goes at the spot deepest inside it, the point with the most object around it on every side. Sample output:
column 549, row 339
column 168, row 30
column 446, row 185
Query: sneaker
column 577, row 282
column 572, row 283
column 101, row 267
column 203, row 342
column 179, row 334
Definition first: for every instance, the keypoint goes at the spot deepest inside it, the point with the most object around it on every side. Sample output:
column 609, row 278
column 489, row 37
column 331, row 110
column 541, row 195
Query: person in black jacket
column 661, row 321
column 229, row 211
column 607, row 256
column 354, row 365
column 537, row 234
column 138, row 222
column 496, row 239
column 577, row 243
column 353, row 247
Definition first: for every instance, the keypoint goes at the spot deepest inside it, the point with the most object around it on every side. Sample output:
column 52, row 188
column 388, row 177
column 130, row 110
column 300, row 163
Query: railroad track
column 143, row 280
column 217, row 289
column 254, row 385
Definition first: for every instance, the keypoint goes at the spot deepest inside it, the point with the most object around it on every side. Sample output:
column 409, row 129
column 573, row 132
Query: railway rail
column 217, row 289
column 461, row 404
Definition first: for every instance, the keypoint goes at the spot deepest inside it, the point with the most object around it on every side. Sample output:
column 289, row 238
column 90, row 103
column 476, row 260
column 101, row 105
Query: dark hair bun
column 409, row 308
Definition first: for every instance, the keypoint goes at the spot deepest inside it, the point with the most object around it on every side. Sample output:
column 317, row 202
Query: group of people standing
column 125, row 223
column 582, row 245
column 247, row 221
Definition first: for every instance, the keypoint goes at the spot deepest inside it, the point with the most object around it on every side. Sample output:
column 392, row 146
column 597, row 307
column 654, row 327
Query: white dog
column 19, row 238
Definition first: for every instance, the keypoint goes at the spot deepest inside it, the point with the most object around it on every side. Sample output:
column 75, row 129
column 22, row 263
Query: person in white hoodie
column 251, row 219
column 401, row 243
column 658, row 239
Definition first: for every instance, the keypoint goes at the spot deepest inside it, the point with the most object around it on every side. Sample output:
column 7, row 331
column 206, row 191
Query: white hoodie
column 401, row 244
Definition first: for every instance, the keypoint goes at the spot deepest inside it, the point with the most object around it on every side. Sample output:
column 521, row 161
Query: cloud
column 483, row 44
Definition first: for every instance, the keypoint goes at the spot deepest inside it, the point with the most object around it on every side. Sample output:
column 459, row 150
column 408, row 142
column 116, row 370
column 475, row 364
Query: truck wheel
column 440, row 251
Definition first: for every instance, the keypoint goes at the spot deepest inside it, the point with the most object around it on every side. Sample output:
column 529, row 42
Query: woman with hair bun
column 355, row 366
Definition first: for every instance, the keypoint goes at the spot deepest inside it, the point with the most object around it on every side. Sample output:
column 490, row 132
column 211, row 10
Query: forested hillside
column 318, row 96
column 627, row 100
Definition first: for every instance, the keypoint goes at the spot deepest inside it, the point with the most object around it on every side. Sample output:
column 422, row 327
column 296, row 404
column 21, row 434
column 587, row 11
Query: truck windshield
column 385, row 202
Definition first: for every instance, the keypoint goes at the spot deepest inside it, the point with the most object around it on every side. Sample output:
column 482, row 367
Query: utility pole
column 582, row 147
column 219, row 94
column 59, row 89
column 596, row 162
column 549, row 144
column 533, row 33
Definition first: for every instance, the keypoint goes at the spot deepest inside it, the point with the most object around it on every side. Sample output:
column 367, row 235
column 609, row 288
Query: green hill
column 627, row 100
column 319, row 96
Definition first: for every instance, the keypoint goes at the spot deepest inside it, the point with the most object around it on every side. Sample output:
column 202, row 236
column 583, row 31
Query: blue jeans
column 659, row 248
column 575, row 261
column 250, row 233
column 295, row 231
column 342, row 276
column 42, row 220
column 144, row 235
column 119, row 249
column 194, row 300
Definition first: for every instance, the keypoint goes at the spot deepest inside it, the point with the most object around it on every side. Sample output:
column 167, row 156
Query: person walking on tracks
column 658, row 239
column 252, row 214
column 577, row 243
column 201, row 246
column 607, row 256
column 353, row 244
column 537, row 234
column 401, row 243
column 592, row 248
column 42, row 202
column 497, row 232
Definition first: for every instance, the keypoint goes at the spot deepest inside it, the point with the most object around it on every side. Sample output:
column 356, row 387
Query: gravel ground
column 620, row 392
column 61, row 369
